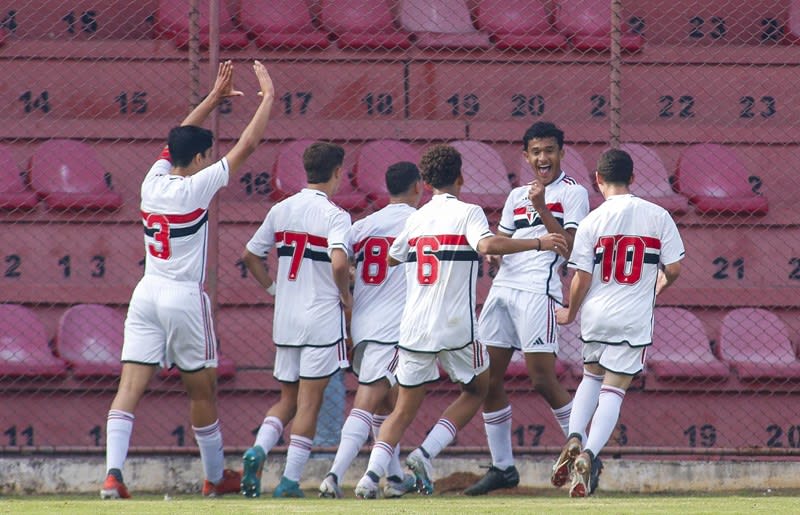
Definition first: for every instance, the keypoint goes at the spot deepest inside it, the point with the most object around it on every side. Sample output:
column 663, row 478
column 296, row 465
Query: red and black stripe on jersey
column 358, row 248
column 526, row 216
column 459, row 248
column 179, row 225
column 650, row 245
column 315, row 254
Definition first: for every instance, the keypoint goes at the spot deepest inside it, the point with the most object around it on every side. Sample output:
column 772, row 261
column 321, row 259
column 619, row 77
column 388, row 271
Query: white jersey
column 621, row 243
column 174, row 212
column 537, row 271
column 379, row 294
column 305, row 228
column 440, row 243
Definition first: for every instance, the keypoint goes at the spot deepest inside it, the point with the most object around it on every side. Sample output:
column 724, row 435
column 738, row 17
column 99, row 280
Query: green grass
column 608, row 503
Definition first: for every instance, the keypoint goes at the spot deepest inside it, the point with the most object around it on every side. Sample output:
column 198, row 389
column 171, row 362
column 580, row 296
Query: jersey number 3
column 160, row 248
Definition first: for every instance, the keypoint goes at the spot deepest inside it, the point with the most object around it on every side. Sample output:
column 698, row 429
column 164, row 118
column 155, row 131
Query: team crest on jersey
column 531, row 214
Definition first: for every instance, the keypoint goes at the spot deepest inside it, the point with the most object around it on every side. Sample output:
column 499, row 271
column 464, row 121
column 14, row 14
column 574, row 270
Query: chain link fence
column 701, row 92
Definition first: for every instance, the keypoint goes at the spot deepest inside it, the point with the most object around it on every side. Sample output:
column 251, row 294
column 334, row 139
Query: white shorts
column 375, row 361
column 295, row 363
column 169, row 323
column 519, row 319
column 462, row 365
column 622, row 359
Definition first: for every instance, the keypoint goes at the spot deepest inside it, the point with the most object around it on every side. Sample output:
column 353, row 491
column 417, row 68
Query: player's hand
column 562, row 316
column 494, row 264
column 536, row 194
column 223, row 86
column 661, row 282
column 555, row 242
column 267, row 89
column 347, row 302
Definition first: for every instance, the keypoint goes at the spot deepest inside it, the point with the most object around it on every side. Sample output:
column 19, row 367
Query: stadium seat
column 374, row 157
column 486, row 180
column 756, row 344
column 281, row 24
column 13, row 193
column 587, row 24
column 68, row 175
column 172, row 22
column 90, row 339
column 652, row 179
column 574, row 166
column 441, row 24
column 518, row 24
column 717, row 182
column 362, row 24
column 681, row 349
column 24, row 350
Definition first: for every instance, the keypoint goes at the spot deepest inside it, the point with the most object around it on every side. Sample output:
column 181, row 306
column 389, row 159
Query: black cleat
column 594, row 476
column 494, row 480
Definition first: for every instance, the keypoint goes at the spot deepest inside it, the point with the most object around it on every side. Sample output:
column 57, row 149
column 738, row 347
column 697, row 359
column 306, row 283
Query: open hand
column 223, row 86
column 267, row 89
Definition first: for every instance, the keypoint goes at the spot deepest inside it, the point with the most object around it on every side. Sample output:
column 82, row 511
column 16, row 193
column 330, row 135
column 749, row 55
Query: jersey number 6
column 427, row 262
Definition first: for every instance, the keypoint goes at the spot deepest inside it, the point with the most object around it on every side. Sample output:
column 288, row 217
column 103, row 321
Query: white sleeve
column 506, row 224
column 208, row 181
column 339, row 232
column 264, row 238
column 672, row 249
column 399, row 249
column 477, row 226
column 582, row 257
column 576, row 205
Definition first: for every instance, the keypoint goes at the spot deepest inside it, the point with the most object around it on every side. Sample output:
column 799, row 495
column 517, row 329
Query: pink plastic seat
column 573, row 165
column 24, row 350
column 362, row 24
column 518, row 24
column 172, row 22
column 90, row 339
column 373, row 159
column 486, row 180
column 441, row 24
column 13, row 193
column 716, row 181
column 681, row 349
column 68, row 175
column 652, row 179
column 756, row 344
column 587, row 24
column 281, row 24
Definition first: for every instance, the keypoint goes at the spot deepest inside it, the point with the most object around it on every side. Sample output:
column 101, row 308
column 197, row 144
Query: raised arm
column 536, row 196
column 223, row 88
column 501, row 245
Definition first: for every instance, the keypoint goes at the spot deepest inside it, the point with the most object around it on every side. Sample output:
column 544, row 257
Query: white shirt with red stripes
column 622, row 243
column 174, row 212
column 439, row 244
column 535, row 271
column 379, row 293
column 305, row 228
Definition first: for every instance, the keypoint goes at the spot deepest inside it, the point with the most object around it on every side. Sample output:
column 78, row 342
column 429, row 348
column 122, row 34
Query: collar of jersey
column 315, row 192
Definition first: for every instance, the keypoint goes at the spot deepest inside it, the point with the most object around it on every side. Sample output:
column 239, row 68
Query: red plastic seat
column 362, row 24
column 652, row 179
column 13, row 193
column 518, row 24
column 486, row 180
column 441, row 24
column 575, row 167
column 681, row 348
column 281, row 24
column 24, row 350
column 90, row 339
column 172, row 22
column 716, row 181
column 587, row 24
column 374, row 157
column 756, row 344
column 68, row 175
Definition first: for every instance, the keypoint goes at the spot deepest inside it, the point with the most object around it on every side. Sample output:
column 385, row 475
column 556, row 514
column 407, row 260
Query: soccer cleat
column 114, row 488
column 367, row 488
column 252, row 467
column 329, row 488
column 400, row 488
column 422, row 469
column 229, row 484
column 288, row 488
column 562, row 468
column 581, row 477
column 594, row 477
column 495, row 479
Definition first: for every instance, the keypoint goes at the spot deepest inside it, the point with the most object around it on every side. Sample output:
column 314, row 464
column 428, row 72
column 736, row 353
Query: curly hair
column 440, row 166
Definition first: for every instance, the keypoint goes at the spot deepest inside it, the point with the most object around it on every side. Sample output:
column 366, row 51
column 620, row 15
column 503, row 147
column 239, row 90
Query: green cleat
column 288, row 488
column 252, row 467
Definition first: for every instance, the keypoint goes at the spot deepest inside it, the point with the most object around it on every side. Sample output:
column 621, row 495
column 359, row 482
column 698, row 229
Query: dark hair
column 187, row 141
column 400, row 177
column 440, row 166
column 615, row 166
column 540, row 130
column 320, row 159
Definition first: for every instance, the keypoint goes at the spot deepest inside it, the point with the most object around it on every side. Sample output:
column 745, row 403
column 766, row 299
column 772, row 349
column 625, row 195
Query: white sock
column 498, row 433
column 440, row 437
column 377, row 422
column 395, row 468
column 354, row 434
column 209, row 439
column 584, row 403
column 269, row 433
column 562, row 415
column 119, row 426
column 297, row 456
column 605, row 418
column 379, row 458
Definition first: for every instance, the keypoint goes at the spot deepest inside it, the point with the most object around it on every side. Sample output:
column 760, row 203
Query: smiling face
column 544, row 157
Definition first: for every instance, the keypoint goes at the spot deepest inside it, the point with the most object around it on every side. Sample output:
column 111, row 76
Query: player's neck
column 452, row 189
column 406, row 199
column 610, row 190
column 325, row 187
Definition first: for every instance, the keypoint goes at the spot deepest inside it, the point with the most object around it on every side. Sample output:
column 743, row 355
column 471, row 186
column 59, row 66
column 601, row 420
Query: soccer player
column 169, row 315
column 312, row 290
column 519, row 312
column 440, row 243
column 378, row 298
column 616, row 256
